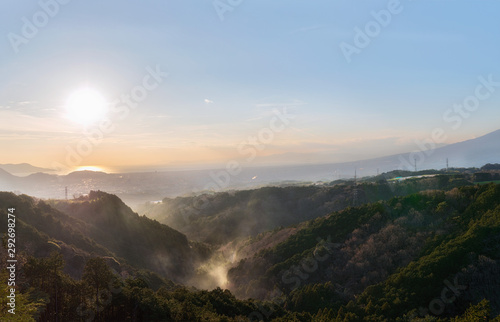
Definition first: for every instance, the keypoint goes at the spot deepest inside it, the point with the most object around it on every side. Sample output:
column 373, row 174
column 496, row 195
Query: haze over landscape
column 226, row 77
column 232, row 160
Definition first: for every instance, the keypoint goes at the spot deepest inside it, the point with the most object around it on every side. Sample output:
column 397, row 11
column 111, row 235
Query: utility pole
column 447, row 168
column 66, row 192
column 415, row 164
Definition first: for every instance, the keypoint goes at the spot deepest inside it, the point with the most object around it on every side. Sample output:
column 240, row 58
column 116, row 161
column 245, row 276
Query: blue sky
column 225, row 77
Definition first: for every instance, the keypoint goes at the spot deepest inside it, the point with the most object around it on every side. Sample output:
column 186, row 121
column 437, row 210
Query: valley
column 374, row 249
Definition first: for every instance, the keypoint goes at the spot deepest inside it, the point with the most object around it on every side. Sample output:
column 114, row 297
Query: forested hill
column 101, row 224
column 386, row 260
column 96, row 261
column 434, row 253
column 221, row 217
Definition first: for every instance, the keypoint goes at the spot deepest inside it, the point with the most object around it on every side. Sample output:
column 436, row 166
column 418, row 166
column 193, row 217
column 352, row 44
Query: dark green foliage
column 102, row 225
column 417, row 284
column 393, row 256
column 313, row 297
column 389, row 260
column 48, row 294
column 139, row 240
column 483, row 176
column 490, row 166
column 222, row 217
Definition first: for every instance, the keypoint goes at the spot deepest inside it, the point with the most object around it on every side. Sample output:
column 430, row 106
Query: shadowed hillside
column 101, row 224
column 386, row 259
column 434, row 253
column 221, row 217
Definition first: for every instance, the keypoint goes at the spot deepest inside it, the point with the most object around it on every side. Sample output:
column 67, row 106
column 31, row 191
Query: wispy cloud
column 23, row 103
column 21, row 122
column 207, row 101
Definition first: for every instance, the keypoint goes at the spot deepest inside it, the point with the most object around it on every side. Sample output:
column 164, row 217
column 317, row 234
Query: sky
column 186, row 84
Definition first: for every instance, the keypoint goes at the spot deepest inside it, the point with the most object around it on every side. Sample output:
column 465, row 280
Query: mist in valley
column 233, row 160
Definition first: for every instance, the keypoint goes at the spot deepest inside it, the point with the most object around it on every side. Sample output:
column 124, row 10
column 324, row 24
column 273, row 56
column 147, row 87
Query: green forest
column 397, row 247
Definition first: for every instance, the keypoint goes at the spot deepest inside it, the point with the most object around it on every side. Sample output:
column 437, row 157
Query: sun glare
column 86, row 106
column 90, row 168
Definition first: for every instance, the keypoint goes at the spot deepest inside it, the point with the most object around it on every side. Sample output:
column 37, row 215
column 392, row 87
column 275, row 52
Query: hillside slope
column 138, row 239
column 434, row 252
column 386, row 259
column 101, row 224
column 222, row 217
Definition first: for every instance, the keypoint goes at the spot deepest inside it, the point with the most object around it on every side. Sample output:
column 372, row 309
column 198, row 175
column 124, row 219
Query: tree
column 45, row 274
column 98, row 276
column 479, row 312
column 27, row 306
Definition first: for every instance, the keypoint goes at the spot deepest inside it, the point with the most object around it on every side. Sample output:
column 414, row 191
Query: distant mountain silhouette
column 137, row 188
column 5, row 174
column 40, row 176
column 471, row 153
column 87, row 174
column 7, row 180
column 23, row 168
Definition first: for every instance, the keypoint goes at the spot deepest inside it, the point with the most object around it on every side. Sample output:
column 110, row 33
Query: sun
column 86, row 106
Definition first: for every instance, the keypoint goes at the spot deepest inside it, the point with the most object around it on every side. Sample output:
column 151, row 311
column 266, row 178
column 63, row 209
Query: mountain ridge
column 138, row 188
column 23, row 168
column 367, row 262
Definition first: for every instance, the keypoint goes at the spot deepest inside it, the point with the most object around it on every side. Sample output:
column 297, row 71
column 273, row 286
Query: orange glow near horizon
column 91, row 168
